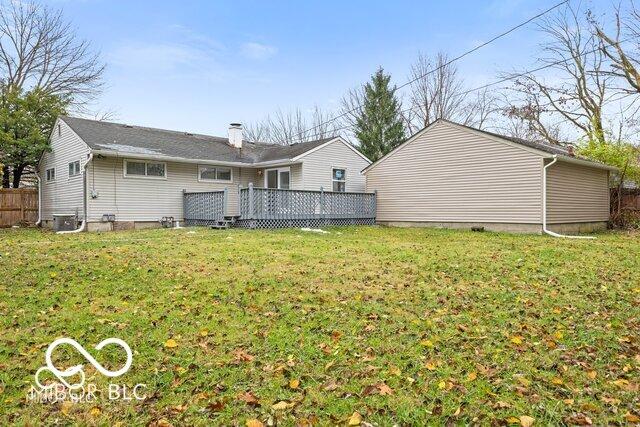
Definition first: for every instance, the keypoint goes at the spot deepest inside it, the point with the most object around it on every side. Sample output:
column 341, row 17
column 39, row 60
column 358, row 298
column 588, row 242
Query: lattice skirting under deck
column 200, row 222
column 299, row 223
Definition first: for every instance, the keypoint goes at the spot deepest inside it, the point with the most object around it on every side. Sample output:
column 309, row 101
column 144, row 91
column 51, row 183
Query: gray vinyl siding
column 450, row 174
column 576, row 194
column 64, row 195
column 317, row 166
column 140, row 199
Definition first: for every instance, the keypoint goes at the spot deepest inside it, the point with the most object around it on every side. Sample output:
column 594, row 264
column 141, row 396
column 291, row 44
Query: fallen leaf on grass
column 526, row 421
column 557, row 381
column 249, row 398
column 95, row 411
column 254, row 423
column 240, row 355
column 216, row 406
column 294, row 383
column 355, row 419
column 282, row 405
column 171, row 343
column 632, row 418
column 516, row 340
column 579, row 420
column 472, row 376
column 65, row 407
column 592, row 374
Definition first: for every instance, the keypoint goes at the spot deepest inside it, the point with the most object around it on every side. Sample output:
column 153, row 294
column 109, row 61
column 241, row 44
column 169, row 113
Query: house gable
column 447, row 174
column 318, row 164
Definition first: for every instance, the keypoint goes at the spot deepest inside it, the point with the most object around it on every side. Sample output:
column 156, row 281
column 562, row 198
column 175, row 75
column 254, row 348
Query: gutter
column 544, row 206
column 39, row 221
column 83, row 226
column 160, row 157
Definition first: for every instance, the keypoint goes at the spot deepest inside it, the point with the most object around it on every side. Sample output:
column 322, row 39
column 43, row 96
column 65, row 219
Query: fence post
column 251, row 200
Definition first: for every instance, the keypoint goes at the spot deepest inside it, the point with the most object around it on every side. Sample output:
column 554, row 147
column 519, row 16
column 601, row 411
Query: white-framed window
column 74, row 168
column 339, row 179
column 214, row 174
column 50, row 174
column 59, row 130
column 145, row 169
column 277, row 178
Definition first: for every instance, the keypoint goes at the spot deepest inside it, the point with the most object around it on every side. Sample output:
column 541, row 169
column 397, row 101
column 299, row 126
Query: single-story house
column 127, row 176
column 450, row 175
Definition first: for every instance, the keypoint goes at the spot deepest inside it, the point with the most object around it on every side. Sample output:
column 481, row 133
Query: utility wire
column 457, row 58
column 487, row 85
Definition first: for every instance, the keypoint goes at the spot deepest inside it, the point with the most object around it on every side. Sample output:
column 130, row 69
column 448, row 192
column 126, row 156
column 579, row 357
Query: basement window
column 142, row 169
column 214, row 174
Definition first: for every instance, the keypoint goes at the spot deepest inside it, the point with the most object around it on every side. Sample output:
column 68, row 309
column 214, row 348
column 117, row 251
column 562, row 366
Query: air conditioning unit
column 65, row 222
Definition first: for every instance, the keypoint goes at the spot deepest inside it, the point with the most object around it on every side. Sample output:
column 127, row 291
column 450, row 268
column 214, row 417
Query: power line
column 457, row 58
column 488, row 85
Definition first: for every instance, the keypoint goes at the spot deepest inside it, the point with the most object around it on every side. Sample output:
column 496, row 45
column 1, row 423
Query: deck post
column 322, row 213
column 251, row 200
column 375, row 205
column 225, row 201
column 184, row 206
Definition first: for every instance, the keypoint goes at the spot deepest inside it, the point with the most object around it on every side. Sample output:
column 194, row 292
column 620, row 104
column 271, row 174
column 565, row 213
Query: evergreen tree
column 379, row 126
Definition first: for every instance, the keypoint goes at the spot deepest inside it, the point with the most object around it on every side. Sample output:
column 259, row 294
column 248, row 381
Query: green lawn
column 401, row 326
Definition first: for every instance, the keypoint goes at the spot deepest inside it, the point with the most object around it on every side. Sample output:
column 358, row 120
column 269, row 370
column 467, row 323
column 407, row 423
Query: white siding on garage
column 64, row 195
column 576, row 194
column 140, row 199
column 450, row 174
column 317, row 167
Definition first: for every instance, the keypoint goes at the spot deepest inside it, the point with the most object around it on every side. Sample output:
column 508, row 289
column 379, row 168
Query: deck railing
column 290, row 207
column 204, row 207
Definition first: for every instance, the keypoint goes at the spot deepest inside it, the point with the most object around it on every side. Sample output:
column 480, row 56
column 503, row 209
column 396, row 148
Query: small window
column 155, row 169
column 145, row 169
column 74, row 168
column 51, row 174
column 214, row 173
column 339, row 178
column 59, row 130
column 135, row 168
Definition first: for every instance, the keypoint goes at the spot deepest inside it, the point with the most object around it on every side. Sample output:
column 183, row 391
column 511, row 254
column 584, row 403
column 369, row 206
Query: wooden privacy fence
column 275, row 208
column 18, row 206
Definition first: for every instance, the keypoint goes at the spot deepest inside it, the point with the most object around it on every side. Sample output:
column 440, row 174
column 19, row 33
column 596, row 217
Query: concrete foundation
column 581, row 227
column 578, row 227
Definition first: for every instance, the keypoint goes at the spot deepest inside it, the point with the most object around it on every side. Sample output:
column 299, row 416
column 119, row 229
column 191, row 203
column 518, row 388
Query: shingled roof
column 125, row 139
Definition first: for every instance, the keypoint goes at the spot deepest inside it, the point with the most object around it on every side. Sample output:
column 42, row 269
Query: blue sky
column 199, row 65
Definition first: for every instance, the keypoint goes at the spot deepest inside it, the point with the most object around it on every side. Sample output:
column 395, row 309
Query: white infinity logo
column 69, row 372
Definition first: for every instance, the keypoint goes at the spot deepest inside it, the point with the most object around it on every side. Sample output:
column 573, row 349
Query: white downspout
column 83, row 226
column 544, row 206
column 39, row 221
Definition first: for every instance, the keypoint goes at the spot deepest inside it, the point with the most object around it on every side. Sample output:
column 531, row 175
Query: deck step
column 222, row 224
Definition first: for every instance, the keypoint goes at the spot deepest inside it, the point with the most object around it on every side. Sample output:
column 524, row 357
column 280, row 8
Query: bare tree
column 436, row 90
column 293, row 126
column 38, row 48
column 579, row 90
column 480, row 108
column 623, row 54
